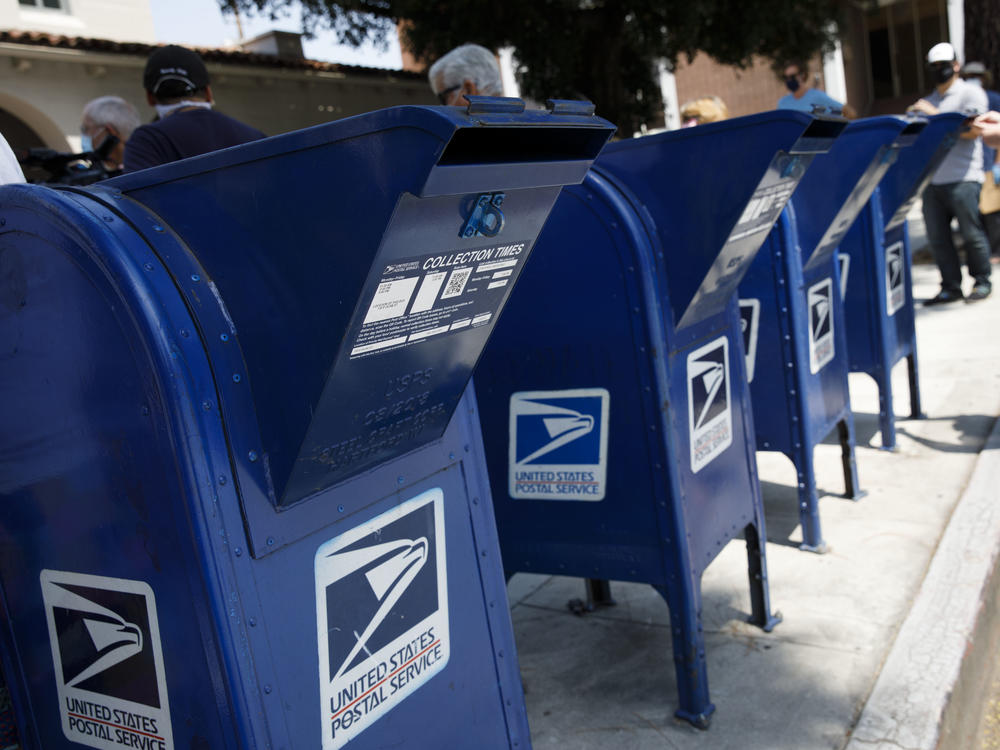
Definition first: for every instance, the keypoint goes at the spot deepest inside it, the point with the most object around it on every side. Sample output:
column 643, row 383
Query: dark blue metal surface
column 878, row 307
column 799, row 383
column 164, row 575
column 614, row 402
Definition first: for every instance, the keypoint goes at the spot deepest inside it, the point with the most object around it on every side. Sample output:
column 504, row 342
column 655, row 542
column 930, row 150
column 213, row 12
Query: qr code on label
column 456, row 283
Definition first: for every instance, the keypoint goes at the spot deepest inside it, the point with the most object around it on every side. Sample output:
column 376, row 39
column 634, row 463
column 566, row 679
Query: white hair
column 470, row 61
column 113, row 110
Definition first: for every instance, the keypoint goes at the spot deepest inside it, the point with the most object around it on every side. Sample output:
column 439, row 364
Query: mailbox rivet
column 222, row 481
column 236, row 377
column 195, row 277
column 270, row 541
column 340, row 508
column 400, row 480
column 253, row 622
column 500, row 654
column 483, row 553
column 238, row 552
column 206, row 405
column 3, row 222
column 451, row 456
column 252, row 455
column 267, row 690
column 145, row 411
column 467, row 448
column 224, row 337
column 475, row 501
column 157, row 228
column 184, row 333
column 108, row 218
column 148, row 266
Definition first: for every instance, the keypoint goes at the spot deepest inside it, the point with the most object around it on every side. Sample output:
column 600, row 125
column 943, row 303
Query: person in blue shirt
column 803, row 97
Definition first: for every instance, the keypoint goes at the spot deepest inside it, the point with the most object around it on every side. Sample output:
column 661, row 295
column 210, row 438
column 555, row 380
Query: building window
column 53, row 4
column 899, row 34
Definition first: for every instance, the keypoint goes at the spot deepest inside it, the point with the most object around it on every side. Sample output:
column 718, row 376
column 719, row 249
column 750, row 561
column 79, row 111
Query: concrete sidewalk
column 606, row 679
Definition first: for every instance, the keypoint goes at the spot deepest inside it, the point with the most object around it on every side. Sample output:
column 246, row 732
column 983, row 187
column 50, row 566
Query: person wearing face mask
column 803, row 97
column 954, row 188
column 177, row 86
column 108, row 117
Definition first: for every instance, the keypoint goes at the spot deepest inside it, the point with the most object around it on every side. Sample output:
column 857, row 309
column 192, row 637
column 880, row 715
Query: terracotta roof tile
column 209, row 54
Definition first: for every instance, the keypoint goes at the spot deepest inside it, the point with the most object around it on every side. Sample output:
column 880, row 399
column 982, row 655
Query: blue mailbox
column 878, row 306
column 614, row 405
column 244, row 498
column 796, row 342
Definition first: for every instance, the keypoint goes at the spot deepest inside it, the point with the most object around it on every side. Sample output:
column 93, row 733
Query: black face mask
column 792, row 84
column 941, row 73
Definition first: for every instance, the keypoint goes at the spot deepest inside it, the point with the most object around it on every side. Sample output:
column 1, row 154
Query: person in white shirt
column 10, row 170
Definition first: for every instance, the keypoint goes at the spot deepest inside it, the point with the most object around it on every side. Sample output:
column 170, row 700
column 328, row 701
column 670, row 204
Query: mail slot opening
column 824, row 128
column 914, row 128
column 524, row 144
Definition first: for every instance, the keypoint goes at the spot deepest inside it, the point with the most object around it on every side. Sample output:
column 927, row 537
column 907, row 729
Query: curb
column 935, row 655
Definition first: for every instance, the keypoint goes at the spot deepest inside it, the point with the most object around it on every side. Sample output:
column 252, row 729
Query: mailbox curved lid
column 697, row 183
column 915, row 166
column 839, row 182
column 309, row 253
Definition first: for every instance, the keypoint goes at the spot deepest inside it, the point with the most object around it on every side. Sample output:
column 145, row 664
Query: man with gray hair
column 104, row 117
column 469, row 70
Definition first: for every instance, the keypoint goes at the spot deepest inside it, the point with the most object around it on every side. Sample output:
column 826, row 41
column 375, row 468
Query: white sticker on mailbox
column 108, row 664
column 710, row 410
column 558, row 444
column 381, row 615
column 819, row 299
column 749, row 321
column 895, row 292
column 845, row 268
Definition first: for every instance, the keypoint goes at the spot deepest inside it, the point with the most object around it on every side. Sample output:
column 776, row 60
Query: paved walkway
column 606, row 679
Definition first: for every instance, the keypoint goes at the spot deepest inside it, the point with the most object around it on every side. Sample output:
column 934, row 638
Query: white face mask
column 165, row 109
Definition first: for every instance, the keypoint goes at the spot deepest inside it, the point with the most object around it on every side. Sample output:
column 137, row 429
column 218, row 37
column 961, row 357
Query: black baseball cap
column 174, row 71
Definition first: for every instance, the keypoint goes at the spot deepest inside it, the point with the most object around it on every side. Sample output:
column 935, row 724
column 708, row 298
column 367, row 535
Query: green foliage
column 603, row 50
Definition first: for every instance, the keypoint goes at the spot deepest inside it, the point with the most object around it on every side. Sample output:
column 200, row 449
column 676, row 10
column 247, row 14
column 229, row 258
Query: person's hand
column 988, row 126
column 990, row 118
column 922, row 106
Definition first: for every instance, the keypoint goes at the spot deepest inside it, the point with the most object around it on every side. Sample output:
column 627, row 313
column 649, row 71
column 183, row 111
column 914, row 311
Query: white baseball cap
column 942, row 52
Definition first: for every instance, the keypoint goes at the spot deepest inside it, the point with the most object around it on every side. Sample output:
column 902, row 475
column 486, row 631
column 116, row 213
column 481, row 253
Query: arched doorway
column 25, row 127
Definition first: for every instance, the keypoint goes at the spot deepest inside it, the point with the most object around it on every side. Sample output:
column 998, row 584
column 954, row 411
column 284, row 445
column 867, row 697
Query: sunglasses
column 443, row 95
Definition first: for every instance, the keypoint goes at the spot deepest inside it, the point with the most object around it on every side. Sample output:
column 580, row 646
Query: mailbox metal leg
column 845, row 429
column 689, row 654
column 760, row 596
column 886, row 416
column 598, row 595
column 812, row 535
column 916, row 412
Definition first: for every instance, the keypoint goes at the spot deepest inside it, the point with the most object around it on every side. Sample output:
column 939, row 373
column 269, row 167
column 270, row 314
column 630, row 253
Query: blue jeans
column 958, row 200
